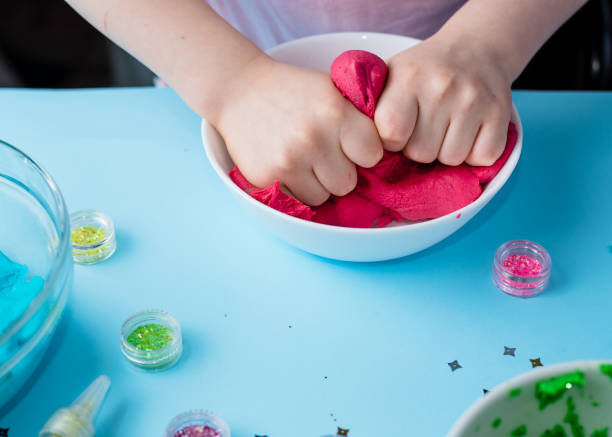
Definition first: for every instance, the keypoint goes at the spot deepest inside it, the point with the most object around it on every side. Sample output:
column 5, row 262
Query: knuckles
column 347, row 184
column 452, row 160
column 333, row 110
column 375, row 155
column 441, row 85
column 318, row 200
column 486, row 156
column 393, row 129
column 471, row 97
column 420, row 153
column 295, row 148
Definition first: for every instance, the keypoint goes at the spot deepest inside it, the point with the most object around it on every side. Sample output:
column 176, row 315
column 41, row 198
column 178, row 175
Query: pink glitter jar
column 521, row 268
column 197, row 423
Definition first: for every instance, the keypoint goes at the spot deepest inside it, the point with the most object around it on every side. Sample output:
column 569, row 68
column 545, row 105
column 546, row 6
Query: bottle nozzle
column 88, row 403
column 76, row 420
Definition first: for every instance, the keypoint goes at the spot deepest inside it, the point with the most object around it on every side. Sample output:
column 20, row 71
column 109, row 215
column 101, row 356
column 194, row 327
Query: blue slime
column 16, row 294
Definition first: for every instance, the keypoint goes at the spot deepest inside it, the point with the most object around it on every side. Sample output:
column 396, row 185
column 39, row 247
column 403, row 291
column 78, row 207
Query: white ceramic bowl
column 351, row 244
column 593, row 404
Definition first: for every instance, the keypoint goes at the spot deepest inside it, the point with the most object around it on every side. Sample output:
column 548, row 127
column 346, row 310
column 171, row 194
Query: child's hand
column 445, row 101
column 291, row 124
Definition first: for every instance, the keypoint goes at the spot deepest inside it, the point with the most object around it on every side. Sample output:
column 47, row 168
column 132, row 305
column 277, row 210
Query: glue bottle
column 76, row 420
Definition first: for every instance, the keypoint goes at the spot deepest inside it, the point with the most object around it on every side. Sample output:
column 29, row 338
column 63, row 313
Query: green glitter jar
column 92, row 235
column 151, row 340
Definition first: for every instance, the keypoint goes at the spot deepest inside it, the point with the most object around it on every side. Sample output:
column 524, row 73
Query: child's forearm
column 183, row 41
column 511, row 30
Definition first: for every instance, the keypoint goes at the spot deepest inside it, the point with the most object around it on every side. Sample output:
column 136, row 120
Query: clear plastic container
column 521, row 268
column 197, row 418
column 95, row 248
column 34, row 232
column 159, row 358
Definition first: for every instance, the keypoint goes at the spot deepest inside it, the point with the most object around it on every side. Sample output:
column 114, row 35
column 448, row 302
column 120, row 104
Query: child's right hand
column 291, row 124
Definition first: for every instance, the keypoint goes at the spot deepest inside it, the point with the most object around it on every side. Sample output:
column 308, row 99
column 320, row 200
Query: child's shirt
column 271, row 22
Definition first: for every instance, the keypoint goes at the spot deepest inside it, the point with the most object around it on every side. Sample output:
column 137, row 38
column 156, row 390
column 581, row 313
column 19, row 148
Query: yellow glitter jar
column 151, row 340
column 92, row 235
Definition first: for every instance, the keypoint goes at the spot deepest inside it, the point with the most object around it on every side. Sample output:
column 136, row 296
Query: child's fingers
column 336, row 173
column 489, row 144
column 359, row 140
column 459, row 139
column 395, row 118
column 425, row 142
column 306, row 187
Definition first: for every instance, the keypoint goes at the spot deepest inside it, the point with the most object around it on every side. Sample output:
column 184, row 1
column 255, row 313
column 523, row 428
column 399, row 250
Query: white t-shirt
column 271, row 22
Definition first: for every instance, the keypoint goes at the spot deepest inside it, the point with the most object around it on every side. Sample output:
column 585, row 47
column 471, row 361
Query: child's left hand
column 447, row 101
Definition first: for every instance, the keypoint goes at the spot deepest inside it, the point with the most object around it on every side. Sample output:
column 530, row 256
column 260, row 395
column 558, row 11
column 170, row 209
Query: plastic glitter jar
column 92, row 235
column 521, row 268
column 197, row 423
column 151, row 340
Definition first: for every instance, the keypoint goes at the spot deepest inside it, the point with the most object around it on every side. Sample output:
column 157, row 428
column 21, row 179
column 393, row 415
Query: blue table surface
column 285, row 344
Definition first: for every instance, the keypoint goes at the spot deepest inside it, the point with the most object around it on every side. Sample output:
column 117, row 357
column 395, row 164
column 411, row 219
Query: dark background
column 44, row 43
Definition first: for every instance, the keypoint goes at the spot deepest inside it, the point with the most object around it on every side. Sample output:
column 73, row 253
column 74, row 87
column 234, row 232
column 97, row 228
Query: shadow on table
column 194, row 349
column 112, row 420
column 125, row 245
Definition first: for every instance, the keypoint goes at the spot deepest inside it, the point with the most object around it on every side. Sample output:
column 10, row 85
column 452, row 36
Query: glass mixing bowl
column 35, row 239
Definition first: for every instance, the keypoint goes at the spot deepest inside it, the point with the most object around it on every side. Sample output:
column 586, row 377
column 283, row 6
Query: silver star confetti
column 536, row 362
column 454, row 365
column 509, row 350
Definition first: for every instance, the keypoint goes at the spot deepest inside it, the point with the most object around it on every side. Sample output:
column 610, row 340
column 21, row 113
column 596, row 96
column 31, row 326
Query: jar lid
column 521, row 268
column 92, row 235
column 151, row 340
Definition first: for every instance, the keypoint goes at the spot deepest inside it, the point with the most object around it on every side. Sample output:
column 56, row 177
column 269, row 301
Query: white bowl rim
column 529, row 377
column 500, row 179
column 326, row 36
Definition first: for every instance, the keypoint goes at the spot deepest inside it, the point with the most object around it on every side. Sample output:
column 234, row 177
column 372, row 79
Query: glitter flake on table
column 454, row 365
